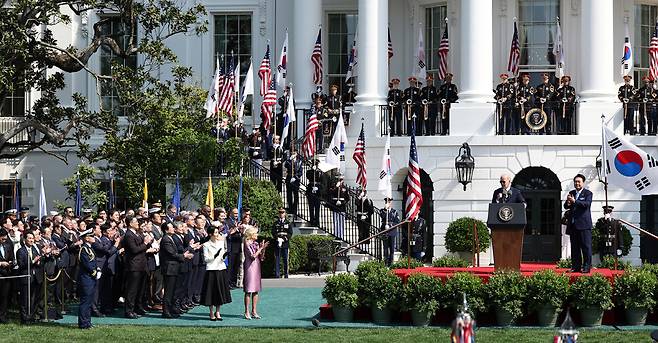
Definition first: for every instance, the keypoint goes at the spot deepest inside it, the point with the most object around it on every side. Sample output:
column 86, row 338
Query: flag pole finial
column 446, row 19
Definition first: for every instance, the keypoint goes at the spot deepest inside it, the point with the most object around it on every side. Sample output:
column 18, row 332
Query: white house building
column 480, row 33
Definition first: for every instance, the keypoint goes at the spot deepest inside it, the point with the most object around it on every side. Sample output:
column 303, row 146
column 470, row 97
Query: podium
column 507, row 221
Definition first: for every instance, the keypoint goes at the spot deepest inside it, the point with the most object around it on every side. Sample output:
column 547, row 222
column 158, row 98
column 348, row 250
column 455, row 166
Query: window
column 233, row 35
column 7, row 200
column 435, row 25
column 14, row 105
column 341, row 31
column 119, row 30
column 645, row 21
column 537, row 26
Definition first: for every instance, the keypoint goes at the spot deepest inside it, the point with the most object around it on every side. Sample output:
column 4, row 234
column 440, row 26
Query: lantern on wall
column 464, row 165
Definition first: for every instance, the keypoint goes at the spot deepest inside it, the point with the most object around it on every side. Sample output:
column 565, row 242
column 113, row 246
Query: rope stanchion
column 46, row 280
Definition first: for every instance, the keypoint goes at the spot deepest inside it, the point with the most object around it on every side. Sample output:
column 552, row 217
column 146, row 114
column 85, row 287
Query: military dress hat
column 157, row 204
column 504, row 75
column 86, row 233
column 608, row 209
column 395, row 80
column 566, row 78
column 449, row 75
column 429, row 77
column 53, row 213
column 412, row 79
column 544, row 74
column 627, row 77
column 334, row 86
column 153, row 210
column 25, row 209
column 646, row 78
column 11, row 212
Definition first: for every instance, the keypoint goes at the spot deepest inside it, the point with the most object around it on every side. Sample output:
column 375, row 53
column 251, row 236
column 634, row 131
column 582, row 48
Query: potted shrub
column 592, row 294
column 547, row 292
column 449, row 261
column 635, row 291
column 379, row 289
column 402, row 263
column 340, row 292
column 608, row 262
column 459, row 237
column 464, row 283
column 506, row 291
column 421, row 296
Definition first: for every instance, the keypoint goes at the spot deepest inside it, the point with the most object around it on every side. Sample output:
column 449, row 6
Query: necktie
column 29, row 254
column 2, row 251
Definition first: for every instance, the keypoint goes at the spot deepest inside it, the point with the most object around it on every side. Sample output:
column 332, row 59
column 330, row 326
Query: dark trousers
column 430, row 123
column 395, row 122
column 191, row 282
column 5, row 287
column 26, row 301
column 292, row 196
column 234, row 267
column 106, row 298
column 279, row 254
column 180, row 292
column 364, row 229
column 505, row 123
column 197, row 283
column 276, row 177
column 628, row 120
column 314, row 209
column 581, row 249
column 134, row 290
column 169, row 290
column 445, row 122
column 86, row 293
column 389, row 249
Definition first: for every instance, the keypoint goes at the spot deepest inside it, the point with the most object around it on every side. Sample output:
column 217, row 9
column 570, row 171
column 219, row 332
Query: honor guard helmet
column 627, row 77
column 646, row 79
column 566, row 78
column 504, row 76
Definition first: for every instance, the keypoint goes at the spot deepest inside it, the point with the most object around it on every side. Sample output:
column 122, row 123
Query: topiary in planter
column 592, row 291
column 547, row 292
column 402, row 263
column 340, row 290
column 469, row 284
column 636, row 289
column 421, row 296
column 506, row 291
column 459, row 235
column 378, row 286
column 449, row 261
column 597, row 238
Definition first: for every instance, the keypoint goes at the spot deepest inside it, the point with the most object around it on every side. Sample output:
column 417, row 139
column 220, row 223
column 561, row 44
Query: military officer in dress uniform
column 318, row 110
column 349, row 99
column 626, row 94
column 395, row 108
column 646, row 97
column 281, row 232
column 411, row 105
column 87, row 276
column 364, row 212
column 504, row 96
column 429, row 98
column 283, row 106
column 611, row 234
column 334, row 106
column 389, row 217
column 523, row 97
column 276, row 164
column 255, row 149
column 566, row 97
column 293, row 167
column 339, row 198
column 313, row 178
column 417, row 238
column 544, row 94
column 447, row 95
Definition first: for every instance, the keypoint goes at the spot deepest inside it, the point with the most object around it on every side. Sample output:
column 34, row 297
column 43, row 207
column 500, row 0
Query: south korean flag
column 335, row 156
column 627, row 166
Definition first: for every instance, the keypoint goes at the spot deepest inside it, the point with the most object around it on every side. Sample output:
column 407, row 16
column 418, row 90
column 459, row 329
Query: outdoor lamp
column 464, row 165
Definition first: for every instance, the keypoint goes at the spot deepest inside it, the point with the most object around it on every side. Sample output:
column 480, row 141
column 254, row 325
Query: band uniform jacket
column 395, row 96
column 513, row 196
column 339, row 197
column 390, row 218
column 170, row 257
column 545, row 91
column 431, row 95
column 135, row 250
column 449, row 92
column 612, row 237
column 364, row 210
column 627, row 91
column 411, row 93
column 568, row 93
column 581, row 215
column 313, row 179
column 647, row 95
column 349, row 98
column 505, row 91
column 524, row 96
column 282, row 229
column 7, row 256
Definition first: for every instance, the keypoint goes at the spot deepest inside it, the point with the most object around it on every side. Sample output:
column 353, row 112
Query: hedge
column 298, row 256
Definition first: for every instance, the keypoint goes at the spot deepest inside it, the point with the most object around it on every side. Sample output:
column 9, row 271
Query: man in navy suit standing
column 506, row 193
column 579, row 225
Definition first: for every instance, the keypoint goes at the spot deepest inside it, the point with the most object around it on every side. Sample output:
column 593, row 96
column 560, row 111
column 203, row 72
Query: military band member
column 504, row 96
column 544, row 99
column 429, row 98
column 394, row 100
column 566, row 98
column 339, row 198
column 364, row 212
column 411, row 105
column 281, row 232
column 349, row 99
column 447, row 95
column 334, row 106
column 293, row 167
column 646, row 97
column 276, row 168
column 389, row 217
column 87, row 276
column 524, row 95
column 313, row 191
column 626, row 94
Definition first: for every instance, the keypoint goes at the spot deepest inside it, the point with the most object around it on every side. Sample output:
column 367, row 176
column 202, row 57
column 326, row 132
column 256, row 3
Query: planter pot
column 382, row 316
column 547, row 316
column 343, row 314
column 421, row 318
column 636, row 316
column 591, row 316
column 503, row 317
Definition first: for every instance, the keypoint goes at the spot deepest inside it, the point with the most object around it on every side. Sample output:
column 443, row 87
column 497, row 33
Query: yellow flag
column 145, row 202
column 210, row 199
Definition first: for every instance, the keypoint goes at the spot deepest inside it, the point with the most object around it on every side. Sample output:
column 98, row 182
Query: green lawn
column 135, row 333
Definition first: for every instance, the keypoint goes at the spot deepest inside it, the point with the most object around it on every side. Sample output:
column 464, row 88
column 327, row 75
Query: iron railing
column 395, row 120
column 550, row 119
column 640, row 118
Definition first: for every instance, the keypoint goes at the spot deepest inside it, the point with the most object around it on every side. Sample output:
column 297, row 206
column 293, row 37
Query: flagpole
column 605, row 188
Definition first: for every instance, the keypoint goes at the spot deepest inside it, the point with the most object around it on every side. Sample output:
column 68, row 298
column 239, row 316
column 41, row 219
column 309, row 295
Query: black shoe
column 131, row 315
column 167, row 315
column 97, row 314
column 586, row 270
column 140, row 311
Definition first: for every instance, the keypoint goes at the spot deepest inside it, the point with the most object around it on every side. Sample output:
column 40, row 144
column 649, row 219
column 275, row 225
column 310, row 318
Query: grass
column 133, row 333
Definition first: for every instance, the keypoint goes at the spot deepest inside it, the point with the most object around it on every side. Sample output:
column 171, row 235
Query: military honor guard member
column 281, row 232
column 524, row 95
column 293, row 166
column 579, row 225
column 87, row 276
column 389, row 218
column 364, row 212
column 276, row 164
column 282, row 102
column 626, row 95
column 320, row 113
column 447, row 95
column 544, row 100
column 611, row 234
column 411, row 104
column 566, row 97
column 313, row 191
column 394, row 100
column 339, row 198
column 504, row 96
column 646, row 97
column 429, row 98
column 349, row 99
column 417, row 239
column 334, row 106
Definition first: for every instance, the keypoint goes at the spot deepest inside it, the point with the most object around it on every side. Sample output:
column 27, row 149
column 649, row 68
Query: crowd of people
column 136, row 261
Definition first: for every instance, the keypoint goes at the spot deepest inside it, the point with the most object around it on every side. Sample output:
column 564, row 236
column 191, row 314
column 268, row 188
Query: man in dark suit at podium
column 579, row 225
column 506, row 193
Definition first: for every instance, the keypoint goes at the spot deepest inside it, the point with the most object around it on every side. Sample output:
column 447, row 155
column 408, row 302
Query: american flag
column 390, row 45
column 414, row 194
column 316, row 58
column 228, row 94
column 653, row 55
column 265, row 72
column 514, row 53
column 266, row 108
column 360, row 159
column 308, row 145
column 444, row 48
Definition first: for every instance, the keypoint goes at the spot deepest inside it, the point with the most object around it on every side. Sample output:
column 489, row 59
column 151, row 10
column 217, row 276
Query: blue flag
column 78, row 198
column 240, row 198
column 176, row 198
column 110, row 203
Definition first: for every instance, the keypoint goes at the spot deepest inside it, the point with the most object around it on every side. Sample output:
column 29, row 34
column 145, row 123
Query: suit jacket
column 8, row 257
column 135, row 250
column 513, row 196
column 180, row 249
column 581, row 215
column 64, row 255
column 170, row 258
column 23, row 261
column 103, row 249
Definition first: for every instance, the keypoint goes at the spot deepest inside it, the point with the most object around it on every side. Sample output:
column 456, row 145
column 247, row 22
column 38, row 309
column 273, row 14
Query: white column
column 372, row 47
column 476, row 51
column 597, row 51
column 307, row 16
